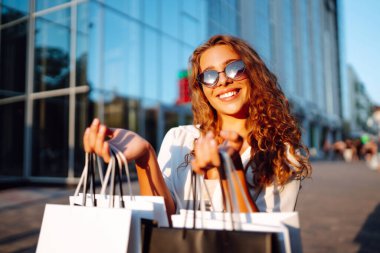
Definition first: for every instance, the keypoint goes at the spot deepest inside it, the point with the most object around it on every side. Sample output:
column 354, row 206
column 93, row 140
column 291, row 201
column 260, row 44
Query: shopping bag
column 180, row 240
column 285, row 225
column 142, row 207
column 201, row 231
column 84, row 229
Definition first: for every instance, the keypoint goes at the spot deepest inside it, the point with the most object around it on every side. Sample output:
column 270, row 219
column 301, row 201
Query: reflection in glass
column 44, row 4
column 151, row 125
column 170, row 17
column 151, row 13
column 83, row 28
column 13, row 9
column 84, row 113
column 52, row 51
column 12, row 139
column 50, row 137
column 170, row 70
column 151, row 65
column 171, row 120
column 13, row 60
column 116, row 52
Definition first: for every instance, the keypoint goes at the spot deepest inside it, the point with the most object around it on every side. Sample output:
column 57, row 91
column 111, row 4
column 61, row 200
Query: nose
column 223, row 79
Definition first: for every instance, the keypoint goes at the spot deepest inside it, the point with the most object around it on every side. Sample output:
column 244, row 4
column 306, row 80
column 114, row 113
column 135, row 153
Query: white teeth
column 228, row 94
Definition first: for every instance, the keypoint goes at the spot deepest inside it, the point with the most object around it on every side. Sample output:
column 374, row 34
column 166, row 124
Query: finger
column 86, row 141
column 106, row 152
column 232, row 139
column 100, row 140
column 196, row 168
column 214, row 153
column 93, row 133
column 231, row 136
column 207, row 152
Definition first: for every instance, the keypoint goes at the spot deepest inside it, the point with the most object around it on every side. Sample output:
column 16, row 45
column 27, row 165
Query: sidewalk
column 339, row 211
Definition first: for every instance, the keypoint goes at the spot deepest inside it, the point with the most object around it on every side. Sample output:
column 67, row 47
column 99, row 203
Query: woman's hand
column 130, row 143
column 207, row 158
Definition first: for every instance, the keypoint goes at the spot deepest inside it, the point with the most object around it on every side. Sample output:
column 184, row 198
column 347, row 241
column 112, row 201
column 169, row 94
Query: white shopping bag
column 158, row 212
column 142, row 207
column 84, row 229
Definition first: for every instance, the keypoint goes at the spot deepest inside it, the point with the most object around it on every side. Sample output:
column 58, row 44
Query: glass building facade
column 64, row 62
column 299, row 40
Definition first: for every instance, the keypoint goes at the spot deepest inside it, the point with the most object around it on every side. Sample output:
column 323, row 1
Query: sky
column 362, row 42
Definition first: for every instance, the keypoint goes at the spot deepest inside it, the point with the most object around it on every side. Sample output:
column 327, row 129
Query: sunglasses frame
column 223, row 71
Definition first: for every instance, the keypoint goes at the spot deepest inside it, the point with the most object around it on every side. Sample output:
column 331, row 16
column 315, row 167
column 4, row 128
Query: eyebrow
column 225, row 63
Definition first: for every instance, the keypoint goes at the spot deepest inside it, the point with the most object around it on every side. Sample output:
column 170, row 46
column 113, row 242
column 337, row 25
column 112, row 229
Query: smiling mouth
column 229, row 94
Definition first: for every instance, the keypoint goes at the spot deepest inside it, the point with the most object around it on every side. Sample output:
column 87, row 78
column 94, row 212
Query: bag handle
column 114, row 173
column 88, row 173
column 231, row 174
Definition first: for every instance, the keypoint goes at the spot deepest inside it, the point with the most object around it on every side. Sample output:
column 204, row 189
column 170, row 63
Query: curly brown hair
column 273, row 131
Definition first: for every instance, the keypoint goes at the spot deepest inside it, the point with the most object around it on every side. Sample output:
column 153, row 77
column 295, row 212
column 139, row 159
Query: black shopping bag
column 181, row 240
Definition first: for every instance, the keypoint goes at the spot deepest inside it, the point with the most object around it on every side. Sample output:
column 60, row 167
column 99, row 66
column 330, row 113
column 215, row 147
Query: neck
column 234, row 124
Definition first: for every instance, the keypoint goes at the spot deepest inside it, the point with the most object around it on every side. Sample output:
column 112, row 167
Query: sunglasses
column 234, row 70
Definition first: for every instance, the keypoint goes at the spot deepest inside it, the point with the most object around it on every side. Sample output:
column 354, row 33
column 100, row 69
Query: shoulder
column 183, row 132
column 181, row 137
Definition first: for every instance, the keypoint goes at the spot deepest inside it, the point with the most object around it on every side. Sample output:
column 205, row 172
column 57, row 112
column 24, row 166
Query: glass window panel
column 191, row 7
column 13, row 9
column 130, row 7
column 44, row 4
column 12, row 139
column 151, row 65
column 151, row 124
column 191, row 30
column 52, row 51
column 170, row 17
column 151, row 13
column 13, row 60
column 170, row 70
column 185, row 54
column 134, row 69
column 50, row 137
column 116, row 54
column 171, row 120
column 84, row 114
column 82, row 50
column 95, row 62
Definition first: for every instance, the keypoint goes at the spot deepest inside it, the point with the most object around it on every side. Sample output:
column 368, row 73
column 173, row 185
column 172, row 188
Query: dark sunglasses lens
column 235, row 69
column 208, row 77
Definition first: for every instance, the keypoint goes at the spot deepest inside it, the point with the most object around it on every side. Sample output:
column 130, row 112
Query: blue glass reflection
column 44, row 4
column 52, row 49
column 13, row 9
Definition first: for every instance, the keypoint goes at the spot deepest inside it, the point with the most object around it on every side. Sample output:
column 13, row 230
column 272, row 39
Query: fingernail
column 213, row 143
column 209, row 134
column 95, row 121
column 102, row 129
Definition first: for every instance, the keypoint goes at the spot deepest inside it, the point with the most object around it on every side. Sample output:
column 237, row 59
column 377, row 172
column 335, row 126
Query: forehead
column 217, row 56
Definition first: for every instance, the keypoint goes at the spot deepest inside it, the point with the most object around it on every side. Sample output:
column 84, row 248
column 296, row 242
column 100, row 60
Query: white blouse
column 179, row 142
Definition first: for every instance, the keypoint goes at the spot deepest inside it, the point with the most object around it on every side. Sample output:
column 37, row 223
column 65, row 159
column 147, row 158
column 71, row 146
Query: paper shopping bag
column 142, row 207
column 177, row 240
column 84, row 229
column 285, row 225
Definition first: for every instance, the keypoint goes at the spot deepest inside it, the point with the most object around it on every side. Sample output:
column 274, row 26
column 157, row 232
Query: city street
column 339, row 210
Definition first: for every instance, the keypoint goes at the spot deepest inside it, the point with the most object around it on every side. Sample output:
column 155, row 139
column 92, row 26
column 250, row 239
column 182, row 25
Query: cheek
column 207, row 94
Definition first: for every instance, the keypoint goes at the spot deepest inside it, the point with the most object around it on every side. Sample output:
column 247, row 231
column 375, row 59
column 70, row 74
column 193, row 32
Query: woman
column 238, row 106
